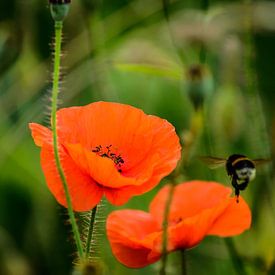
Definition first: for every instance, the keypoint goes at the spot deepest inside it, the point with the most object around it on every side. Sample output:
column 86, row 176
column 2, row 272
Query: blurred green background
column 138, row 52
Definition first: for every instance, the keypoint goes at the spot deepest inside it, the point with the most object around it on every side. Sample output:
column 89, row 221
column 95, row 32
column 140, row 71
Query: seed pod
column 199, row 85
column 59, row 9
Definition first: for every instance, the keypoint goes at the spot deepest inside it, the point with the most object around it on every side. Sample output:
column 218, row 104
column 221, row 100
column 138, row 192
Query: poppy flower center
column 106, row 152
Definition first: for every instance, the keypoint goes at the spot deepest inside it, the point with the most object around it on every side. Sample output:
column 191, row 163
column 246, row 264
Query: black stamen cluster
column 117, row 159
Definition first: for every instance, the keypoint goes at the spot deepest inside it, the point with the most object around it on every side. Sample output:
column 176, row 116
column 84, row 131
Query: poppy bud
column 59, row 9
column 199, row 84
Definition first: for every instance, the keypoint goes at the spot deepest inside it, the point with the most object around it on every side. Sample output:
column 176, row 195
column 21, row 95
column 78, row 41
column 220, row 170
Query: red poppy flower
column 198, row 209
column 107, row 148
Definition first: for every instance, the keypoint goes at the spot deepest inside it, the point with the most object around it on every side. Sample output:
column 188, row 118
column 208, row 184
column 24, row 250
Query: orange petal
column 105, row 123
column 148, row 145
column 102, row 170
column 166, row 144
column 234, row 220
column 131, row 234
column 85, row 193
column 162, row 167
column 189, row 199
column 122, row 195
column 40, row 134
column 191, row 231
column 133, row 134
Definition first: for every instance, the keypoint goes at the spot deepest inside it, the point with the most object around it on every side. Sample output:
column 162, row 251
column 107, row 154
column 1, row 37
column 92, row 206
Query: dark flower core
column 105, row 152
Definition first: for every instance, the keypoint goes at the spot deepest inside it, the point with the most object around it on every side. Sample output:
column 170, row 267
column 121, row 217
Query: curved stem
column 165, row 233
column 90, row 232
column 55, row 89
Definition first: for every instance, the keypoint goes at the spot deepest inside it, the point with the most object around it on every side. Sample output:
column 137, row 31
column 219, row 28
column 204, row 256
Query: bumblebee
column 239, row 168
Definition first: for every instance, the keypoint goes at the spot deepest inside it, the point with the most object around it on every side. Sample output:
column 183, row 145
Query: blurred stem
column 205, row 4
column 202, row 49
column 251, row 87
column 183, row 263
column 190, row 138
column 165, row 4
column 90, row 232
column 261, row 140
column 235, row 257
column 189, row 142
column 165, row 232
column 202, row 54
column 55, row 89
column 165, row 7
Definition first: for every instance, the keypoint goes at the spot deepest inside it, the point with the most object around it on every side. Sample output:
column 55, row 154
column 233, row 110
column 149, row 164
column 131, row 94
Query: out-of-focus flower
column 107, row 148
column 198, row 208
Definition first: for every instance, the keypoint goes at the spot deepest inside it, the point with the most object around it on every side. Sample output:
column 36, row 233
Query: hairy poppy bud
column 199, row 84
column 59, row 9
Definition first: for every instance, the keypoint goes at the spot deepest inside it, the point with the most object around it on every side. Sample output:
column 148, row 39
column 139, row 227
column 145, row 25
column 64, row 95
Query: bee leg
column 237, row 194
column 236, row 187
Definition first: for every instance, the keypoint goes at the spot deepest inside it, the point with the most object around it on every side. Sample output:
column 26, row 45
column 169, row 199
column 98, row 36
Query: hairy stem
column 90, row 232
column 55, row 89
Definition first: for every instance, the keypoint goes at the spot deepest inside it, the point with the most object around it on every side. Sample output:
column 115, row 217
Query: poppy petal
column 189, row 232
column 131, row 234
column 234, row 220
column 108, row 123
column 101, row 169
column 166, row 162
column 40, row 134
column 200, row 194
column 122, row 195
column 84, row 191
column 123, row 150
column 133, row 134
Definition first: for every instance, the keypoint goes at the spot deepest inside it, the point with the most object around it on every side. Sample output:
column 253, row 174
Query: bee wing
column 213, row 162
column 259, row 162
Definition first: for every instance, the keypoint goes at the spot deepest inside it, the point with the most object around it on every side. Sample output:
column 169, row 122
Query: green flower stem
column 165, row 232
column 235, row 257
column 183, row 262
column 90, row 232
column 195, row 131
column 56, row 75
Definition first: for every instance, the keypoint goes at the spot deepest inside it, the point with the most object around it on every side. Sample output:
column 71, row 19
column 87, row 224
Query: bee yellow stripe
column 238, row 160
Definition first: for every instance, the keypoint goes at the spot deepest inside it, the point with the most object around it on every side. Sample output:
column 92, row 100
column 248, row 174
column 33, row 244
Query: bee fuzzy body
column 242, row 170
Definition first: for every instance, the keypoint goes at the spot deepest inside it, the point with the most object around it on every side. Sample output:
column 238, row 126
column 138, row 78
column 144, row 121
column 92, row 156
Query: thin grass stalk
column 55, row 89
